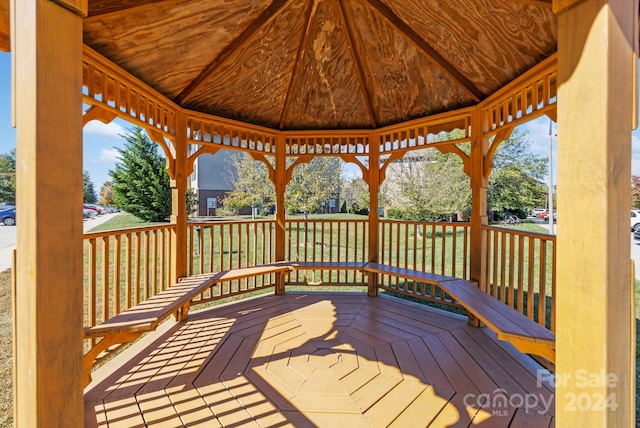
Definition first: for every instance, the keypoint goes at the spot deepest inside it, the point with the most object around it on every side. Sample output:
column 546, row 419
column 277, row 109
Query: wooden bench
column 510, row 325
column 128, row 325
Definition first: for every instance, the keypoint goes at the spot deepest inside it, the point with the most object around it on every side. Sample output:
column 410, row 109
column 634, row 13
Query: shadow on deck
column 326, row 360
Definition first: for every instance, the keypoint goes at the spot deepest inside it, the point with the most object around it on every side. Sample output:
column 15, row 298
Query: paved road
column 8, row 238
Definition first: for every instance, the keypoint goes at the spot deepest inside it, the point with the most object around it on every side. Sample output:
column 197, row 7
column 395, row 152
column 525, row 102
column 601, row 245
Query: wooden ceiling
column 322, row 64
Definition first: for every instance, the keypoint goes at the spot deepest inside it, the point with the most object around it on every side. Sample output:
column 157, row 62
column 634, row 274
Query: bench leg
column 89, row 358
column 472, row 320
column 280, row 278
column 372, row 279
column 182, row 313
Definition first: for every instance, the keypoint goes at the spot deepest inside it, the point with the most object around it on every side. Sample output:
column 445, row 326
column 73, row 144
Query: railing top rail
column 429, row 223
column 211, row 223
column 113, row 232
column 538, row 235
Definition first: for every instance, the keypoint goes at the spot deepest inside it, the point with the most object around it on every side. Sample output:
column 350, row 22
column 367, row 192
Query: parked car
column 536, row 211
column 87, row 213
column 545, row 214
column 635, row 220
column 8, row 217
column 92, row 208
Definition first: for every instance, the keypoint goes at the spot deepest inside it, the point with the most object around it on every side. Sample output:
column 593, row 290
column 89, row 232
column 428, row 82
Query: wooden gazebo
column 363, row 80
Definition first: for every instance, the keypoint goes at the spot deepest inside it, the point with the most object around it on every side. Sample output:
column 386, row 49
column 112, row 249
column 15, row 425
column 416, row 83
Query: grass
column 6, row 351
column 122, row 221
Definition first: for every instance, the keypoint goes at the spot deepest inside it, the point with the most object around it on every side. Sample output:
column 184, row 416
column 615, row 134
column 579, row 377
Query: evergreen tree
column 88, row 189
column 140, row 179
column 8, row 177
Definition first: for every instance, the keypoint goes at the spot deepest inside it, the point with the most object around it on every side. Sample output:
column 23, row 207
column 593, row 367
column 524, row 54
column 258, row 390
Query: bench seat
column 130, row 324
column 509, row 325
column 327, row 265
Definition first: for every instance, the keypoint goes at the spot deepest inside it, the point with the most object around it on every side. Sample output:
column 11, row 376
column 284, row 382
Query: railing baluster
column 105, row 278
column 542, row 285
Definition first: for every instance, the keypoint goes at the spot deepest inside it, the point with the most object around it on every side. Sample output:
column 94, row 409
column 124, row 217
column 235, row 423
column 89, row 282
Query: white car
column 536, row 211
column 635, row 220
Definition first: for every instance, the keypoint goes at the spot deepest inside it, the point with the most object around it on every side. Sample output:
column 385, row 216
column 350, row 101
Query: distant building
column 210, row 182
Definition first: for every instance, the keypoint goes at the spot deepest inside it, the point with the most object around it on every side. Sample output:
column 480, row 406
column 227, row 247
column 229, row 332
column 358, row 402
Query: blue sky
column 100, row 140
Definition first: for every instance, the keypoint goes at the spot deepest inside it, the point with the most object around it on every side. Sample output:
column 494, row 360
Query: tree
column 355, row 195
column 107, row 196
column 88, row 189
column 312, row 184
column 140, row 179
column 427, row 185
column 250, row 179
column 8, row 177
column 635, row 191
column 192, row 201
column 516, row 182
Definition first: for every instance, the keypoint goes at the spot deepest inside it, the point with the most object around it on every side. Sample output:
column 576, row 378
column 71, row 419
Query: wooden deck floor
column 319, row 360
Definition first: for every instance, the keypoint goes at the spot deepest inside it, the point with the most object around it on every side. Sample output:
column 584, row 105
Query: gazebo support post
column 280, row 187
column 179, row 201
column 47, row 56
column 478, row 237
column 595, row 357
column 374, row 218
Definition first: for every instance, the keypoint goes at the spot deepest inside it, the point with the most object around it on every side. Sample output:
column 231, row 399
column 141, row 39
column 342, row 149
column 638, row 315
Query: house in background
column 210, row 181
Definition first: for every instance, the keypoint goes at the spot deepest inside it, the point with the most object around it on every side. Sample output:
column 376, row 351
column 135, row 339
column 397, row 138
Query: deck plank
column 428, row 364
column 456, row 413
column 315, row 360
column 426, row 406
column 474, row 370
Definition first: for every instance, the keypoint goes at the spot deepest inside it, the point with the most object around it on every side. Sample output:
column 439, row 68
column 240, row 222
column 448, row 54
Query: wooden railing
column 122, row 268
column 125, row 267
column 521, row 272
column 224, row 245
column 327, row 240
column 441, row 248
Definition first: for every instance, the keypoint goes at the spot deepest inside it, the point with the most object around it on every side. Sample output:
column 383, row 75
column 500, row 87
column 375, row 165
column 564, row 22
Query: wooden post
column 594, row 377
column 477, row 242
column 374, row 218
column 179, row 202
column 281, row 186
column 48, row 113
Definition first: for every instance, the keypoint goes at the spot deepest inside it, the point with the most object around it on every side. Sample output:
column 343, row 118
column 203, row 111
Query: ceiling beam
column 265, row 17
column 311, row 13
column 445, row 66
column 356, row 58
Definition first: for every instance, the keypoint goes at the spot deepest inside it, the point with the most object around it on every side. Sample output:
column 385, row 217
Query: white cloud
column 97, row 128
column 109, row 155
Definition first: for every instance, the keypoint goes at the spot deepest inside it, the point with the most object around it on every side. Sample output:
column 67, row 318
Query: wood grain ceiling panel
column 101, row 7
column 5, row 30
column 251, row 85
column 490, row 41
column 327, row 91
column 403, row 81
column 167, row 44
